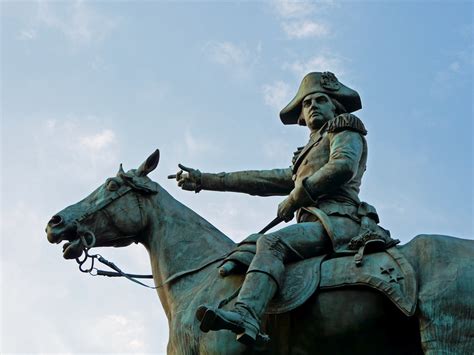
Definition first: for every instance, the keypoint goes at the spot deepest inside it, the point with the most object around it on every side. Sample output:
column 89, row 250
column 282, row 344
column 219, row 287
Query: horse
column 185, row 251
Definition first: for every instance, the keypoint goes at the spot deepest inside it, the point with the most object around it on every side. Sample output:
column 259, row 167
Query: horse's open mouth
column 72, row 250
column 73, row 247
column 58, row 233
column 76, row 239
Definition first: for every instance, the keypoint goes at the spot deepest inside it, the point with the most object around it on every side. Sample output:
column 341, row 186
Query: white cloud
column 293, row 8
column 237, row 57
column 98, row 64
column 77, row 20
column 235, row 218
column 27, row 35
column 74, row 145
column 276, row 95
column 99, row 141
column 196, row 145
column 321, row 62
column 459, row 66
column 128, row 332
column 305, row 29
column 13, row 220
column 455, row 66
column 226, row 53
column 297, row 18
column 275, row 149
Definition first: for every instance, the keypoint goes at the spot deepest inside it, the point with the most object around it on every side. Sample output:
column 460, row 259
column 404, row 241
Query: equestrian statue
column 335, row 282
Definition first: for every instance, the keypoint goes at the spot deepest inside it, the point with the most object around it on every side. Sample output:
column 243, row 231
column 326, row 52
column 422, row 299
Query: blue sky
column 88, row 85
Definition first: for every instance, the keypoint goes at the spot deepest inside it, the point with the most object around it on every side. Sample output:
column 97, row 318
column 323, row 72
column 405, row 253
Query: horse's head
column 112, row 215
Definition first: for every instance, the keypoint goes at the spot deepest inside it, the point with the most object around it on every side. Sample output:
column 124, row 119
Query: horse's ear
column 150, row 164
column 121, row 171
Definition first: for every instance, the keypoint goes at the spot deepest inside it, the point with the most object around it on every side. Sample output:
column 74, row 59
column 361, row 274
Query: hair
column 339, row 109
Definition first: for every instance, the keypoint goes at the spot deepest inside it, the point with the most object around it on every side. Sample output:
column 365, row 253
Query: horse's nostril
column 55, row 221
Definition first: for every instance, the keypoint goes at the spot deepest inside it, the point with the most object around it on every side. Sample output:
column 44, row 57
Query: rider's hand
column 287, row 208
column 188, row 178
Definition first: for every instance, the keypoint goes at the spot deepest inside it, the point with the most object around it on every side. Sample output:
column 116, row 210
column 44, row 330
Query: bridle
column 83, row 232
column 90, row 259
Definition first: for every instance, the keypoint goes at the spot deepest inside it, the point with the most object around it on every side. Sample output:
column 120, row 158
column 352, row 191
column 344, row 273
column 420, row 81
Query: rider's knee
column 271, row 243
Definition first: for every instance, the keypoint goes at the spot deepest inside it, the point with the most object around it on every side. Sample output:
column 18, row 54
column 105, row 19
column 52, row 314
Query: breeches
column 307, row 239
column 295, row 242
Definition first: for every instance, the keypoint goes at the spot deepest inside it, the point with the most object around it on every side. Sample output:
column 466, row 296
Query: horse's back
column 445, row 271
column 439, row 246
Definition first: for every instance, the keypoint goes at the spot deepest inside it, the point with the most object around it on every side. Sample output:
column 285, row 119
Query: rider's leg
column 239, row 260
column 295, row 242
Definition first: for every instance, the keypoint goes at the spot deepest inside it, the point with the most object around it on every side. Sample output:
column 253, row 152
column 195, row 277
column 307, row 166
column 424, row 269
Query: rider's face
column 317, row 110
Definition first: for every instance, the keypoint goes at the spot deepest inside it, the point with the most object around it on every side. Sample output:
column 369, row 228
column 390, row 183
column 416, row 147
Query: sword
column 270, row 225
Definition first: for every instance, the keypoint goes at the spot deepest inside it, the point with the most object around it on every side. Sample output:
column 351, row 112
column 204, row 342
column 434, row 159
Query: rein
column 92, row 270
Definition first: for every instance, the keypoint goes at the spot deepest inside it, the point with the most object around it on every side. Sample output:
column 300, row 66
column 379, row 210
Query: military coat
column 326, row 173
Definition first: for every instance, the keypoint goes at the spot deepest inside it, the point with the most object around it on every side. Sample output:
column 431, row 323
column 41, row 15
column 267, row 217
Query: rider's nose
column 55, row 221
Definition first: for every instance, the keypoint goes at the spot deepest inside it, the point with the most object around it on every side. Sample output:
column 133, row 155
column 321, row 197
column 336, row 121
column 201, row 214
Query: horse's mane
column 181, row 239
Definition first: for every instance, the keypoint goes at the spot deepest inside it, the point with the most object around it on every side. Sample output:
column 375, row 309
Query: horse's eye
column 112, row 185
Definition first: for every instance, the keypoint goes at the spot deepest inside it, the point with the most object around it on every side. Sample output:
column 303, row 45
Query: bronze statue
column 322, row 186
column 363, row 296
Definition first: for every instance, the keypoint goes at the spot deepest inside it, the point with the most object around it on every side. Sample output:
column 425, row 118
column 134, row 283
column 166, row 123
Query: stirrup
column 212, row 319
column 249, row 338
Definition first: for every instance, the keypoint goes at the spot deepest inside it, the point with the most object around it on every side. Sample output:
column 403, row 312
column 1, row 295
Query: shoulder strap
column 346, row 121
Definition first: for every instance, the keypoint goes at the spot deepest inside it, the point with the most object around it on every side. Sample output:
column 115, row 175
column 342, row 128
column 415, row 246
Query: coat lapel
column 312, row 142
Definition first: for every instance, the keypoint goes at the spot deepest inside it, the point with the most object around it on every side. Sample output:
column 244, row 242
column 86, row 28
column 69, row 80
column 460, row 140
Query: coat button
column 294, row 177
column 305, row 161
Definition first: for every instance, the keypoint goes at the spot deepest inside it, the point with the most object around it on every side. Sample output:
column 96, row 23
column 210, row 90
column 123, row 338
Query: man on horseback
column 322, row 187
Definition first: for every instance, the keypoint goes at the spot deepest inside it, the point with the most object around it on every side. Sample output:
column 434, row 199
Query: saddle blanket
column 388, row 272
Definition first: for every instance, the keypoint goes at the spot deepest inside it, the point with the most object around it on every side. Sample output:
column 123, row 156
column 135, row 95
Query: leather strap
column 325, row 221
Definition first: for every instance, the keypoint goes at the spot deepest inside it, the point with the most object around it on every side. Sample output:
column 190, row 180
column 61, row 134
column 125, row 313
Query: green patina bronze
column 430, row 279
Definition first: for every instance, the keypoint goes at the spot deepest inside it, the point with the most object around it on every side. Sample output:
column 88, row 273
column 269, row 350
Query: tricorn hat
column 326, row 83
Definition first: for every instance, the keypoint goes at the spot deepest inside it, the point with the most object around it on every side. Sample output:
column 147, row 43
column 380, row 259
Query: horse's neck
column 180, row 240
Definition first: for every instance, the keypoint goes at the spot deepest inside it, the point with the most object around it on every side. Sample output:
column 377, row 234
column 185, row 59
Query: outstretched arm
column 275, row 182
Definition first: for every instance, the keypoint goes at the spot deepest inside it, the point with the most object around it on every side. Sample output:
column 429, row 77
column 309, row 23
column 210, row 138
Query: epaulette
column 346, row 121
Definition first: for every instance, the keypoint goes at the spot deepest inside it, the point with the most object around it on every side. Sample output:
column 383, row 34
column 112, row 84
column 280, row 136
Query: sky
column 86, row 86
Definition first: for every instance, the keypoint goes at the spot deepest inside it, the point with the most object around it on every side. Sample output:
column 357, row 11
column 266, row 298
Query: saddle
column 387, row 272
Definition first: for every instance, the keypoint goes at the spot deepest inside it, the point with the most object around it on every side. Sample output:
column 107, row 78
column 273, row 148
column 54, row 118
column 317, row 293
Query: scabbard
column 270, row 225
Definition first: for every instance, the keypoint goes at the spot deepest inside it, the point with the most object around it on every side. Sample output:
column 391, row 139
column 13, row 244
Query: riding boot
column 259, row 287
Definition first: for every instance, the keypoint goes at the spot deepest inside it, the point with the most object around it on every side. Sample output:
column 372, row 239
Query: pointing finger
column 181, row 166
column 172, row 176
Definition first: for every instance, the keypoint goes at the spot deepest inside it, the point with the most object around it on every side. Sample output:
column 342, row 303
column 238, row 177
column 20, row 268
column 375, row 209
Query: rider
column 322, row 187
